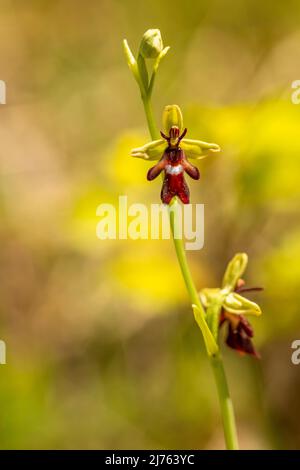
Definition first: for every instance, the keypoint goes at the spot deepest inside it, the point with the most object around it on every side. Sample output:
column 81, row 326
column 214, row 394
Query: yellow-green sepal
column 172, row 116
column 198, row 149
column 234, row 271
column 151, row 151
column 238, row 305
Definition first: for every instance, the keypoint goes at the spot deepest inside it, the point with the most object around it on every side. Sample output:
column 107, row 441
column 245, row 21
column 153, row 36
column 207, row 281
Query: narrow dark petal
column 182, row 135
column 164, row 136
column 248, row 289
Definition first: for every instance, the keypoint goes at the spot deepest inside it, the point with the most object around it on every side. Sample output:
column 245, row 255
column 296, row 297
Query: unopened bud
column 151, row 44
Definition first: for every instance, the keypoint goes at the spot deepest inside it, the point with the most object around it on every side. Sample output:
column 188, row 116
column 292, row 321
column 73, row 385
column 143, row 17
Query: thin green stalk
column 150, row 118
column 182, row 259
column 226, row 405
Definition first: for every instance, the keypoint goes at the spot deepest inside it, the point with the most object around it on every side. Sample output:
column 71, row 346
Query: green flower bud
column 151, row 44
column 172, row 116
column 235, row 270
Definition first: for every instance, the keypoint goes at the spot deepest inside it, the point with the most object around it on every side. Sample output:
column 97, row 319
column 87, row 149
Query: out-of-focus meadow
column 102, row 348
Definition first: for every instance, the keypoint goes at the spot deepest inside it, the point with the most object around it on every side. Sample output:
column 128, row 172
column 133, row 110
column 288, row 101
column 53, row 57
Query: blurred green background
column 102, row 348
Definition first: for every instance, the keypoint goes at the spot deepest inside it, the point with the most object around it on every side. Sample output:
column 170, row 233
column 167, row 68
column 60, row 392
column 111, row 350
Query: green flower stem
column 154, row 132
column 216, row 360
column 226, row 405
column 182, row 259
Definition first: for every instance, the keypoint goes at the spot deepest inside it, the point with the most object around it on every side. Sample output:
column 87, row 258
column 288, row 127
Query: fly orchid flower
column 234, row 306
column 173, row 151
